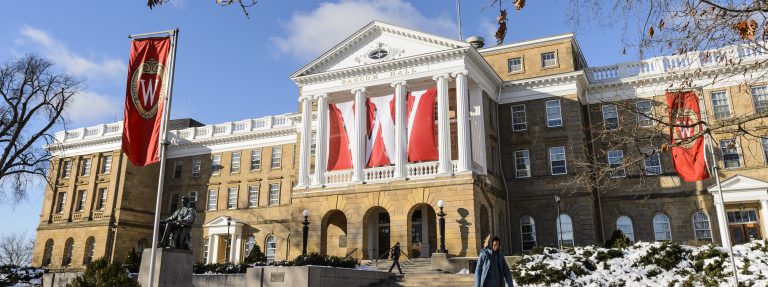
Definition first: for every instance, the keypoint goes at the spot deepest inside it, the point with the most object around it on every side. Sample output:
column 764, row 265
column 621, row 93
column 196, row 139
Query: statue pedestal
column 173, row 267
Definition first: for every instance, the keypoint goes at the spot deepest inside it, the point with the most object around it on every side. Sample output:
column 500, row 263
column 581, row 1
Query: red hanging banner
column 685, row 123
column 144, row 99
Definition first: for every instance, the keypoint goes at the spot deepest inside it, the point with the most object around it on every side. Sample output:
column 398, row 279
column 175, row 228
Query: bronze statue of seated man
column 175, row 229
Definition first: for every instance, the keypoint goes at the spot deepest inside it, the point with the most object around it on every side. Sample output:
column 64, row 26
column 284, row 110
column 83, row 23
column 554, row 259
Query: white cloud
column 487, row 28
column 310, row 33
column 71, row 62
column 89, row 108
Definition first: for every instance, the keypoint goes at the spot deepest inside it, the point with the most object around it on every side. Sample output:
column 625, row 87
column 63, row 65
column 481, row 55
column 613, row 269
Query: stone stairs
column 419, row 272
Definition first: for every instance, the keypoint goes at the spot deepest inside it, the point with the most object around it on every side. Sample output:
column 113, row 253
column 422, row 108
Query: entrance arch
column 376, row 232
column 422, row 231
column 333, row 233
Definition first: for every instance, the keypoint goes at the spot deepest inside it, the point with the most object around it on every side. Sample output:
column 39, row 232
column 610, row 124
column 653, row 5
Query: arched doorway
column 422, row 231
column 485, row 226
column 333, row 234
column 376, row 232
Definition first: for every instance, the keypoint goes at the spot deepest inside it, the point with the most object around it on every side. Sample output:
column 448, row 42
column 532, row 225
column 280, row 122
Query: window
column 548, row 60
column 102, row 201
column 90, row 245
column 62, row 202
column 644, row 112
column 193, row 199
column 216, row 164
column 66, row 258
column 271, row 246
column 661, row 228
column 86, row 167
column 174, row 204
column 557, row 160
column 653, row 164
column 232, row 198
column 106, row 165
column 206, row 242
column 522, row 164
column 196, row 163
column 760, row 99
column 277, row 156
column 720, row 105
column 528, row 231
column 256, row 159
column 66, row 169
column 519, row 120
column 253, row 196
column 515, row 65
column 554, row 115
column 491, row 113
column 616, row 162
column 177, row 168
column 731, row 157
column 565, row 230
column 610, row 117
column 212, row 199
column 47, row 252
column 742, row 216
column 313, row 143
column 81, row 194
column 701, row 227
column 249, row 243
column 765, row 148
column 274, row 194
column 624, row 223
column 234, row 165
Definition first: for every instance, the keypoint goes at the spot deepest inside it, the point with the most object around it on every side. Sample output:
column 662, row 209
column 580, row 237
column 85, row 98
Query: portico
column 743, row 212
column 225, row 238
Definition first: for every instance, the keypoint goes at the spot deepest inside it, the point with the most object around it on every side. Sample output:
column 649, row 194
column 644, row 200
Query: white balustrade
column 338, row 177
column 422, row 169
column 379, row 173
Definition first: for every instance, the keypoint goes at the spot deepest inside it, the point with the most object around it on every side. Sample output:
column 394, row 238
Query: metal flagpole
column 458, row 17
column 713, row 166
column 161, row 154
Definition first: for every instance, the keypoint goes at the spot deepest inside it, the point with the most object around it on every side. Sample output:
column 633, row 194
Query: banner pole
column 161, row 154
column 716, row 170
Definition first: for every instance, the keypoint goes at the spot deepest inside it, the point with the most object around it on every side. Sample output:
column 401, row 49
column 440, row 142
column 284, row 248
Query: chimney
column 476, row 41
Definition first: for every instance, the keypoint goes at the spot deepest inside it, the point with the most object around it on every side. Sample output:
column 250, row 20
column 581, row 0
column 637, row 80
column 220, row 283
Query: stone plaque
column 277, row 277
column 342, row 241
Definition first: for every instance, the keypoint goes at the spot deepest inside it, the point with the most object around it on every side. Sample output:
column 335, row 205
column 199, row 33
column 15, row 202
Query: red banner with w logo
column 685, row 123
column 144, row 95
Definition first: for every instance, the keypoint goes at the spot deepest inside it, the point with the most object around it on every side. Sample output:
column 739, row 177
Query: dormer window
column 548, row 60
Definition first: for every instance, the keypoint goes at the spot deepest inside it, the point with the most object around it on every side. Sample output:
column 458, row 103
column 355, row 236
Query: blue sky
column 230, row 67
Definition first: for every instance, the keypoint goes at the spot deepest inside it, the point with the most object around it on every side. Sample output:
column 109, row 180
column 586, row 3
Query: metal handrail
column 350, row 253
column 386, row 254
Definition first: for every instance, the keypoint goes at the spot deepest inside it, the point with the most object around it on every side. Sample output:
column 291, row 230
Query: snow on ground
column 644, row 264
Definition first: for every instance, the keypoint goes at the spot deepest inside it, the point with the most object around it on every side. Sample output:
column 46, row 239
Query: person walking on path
column 492, row 270
column 395, row 255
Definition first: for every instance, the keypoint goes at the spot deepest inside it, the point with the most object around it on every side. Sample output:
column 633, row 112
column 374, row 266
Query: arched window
column 701, row 227
column 249, row 243
column 271, row 247
column 661, row 228
column 47, row 252
column 528, row 231
column 141, row 245
column 90, row 245
column 624, row 224
column 565, row 230
column 66, row 259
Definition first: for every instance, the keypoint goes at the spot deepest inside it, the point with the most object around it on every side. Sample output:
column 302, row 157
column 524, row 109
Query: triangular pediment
column 222, row 221
column 739, row 183
column 375, row 43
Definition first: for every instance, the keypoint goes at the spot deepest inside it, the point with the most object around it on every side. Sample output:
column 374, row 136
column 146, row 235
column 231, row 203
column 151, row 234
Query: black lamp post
column 306, row 231
column 441, row 204
column 559, row 224
column 229, row 239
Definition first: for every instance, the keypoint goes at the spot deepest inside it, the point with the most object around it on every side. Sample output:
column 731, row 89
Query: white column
column 462, row 122
column 764, row 217
column 401, row 130
column 236, row 249
column 322, row 137
column 209, row 260
column 215, row 250
column 722, row 222
column 306, row 136
column 443, row 126
column 358, row 146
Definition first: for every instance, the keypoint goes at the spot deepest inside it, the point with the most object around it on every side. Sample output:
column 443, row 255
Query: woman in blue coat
column 492, row 270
